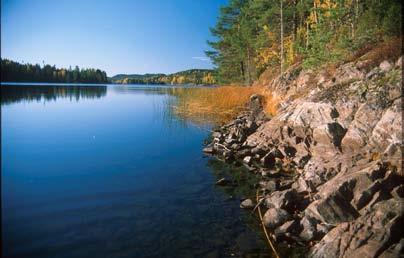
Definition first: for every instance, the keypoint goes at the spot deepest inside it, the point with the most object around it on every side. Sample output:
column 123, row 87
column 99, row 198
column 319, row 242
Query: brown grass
column 219, row 104
column 388, row 50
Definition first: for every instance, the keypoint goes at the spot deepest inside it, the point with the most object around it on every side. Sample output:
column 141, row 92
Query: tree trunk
column 294, row 21
column 248, row 67
column 281, row 38
column 242, row 70
column 307, row 35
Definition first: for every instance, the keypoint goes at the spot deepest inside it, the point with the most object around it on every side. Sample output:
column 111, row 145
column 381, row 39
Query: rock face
column 370, row 235
column 330, row 161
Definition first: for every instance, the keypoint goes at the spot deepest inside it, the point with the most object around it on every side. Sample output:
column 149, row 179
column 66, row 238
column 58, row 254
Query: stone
column 208, row 150
column 228, row 155
column 282, row 199
column 255, row 104
column 363, row 64
column 258, row 150
column 360, row 129
column 399, row 62
column 398, row 192
column 278, row 154
column 230, row 140
column 285, row 184
column 268, row 185
column 216, row 135
column 387, row 129
column 361, row 198
column 247, row 204
column 395, row 250
column 328, row 139
column 247, row 160
column 373, row 73
column 309, row 231
column 275, row 217
column 268, row 161
column 300, row 185
column 243, row 153
column 348, row 73
column 335, row 146
column 224, row 181
column 290, row 226
column 385, row 66
column 368, row 236
column 333, row 209
column 323, row 229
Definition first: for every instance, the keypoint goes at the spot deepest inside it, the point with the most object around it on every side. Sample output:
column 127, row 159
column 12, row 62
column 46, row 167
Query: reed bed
column 219, row 104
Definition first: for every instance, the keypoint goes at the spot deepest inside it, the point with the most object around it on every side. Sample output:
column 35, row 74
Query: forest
column 192, row 76
column 252, row 36
column 16, row 72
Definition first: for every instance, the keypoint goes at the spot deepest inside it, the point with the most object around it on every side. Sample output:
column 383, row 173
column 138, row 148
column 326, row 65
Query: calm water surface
column 110, row 172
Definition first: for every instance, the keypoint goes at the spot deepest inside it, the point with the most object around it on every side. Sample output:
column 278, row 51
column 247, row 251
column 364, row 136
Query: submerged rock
column 247, row 204
column 208, row 150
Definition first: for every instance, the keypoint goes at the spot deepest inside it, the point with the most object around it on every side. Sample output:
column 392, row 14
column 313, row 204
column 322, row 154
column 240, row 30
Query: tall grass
column 219, row 104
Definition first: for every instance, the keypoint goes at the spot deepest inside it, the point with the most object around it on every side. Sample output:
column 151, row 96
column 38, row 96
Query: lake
column 111, row 171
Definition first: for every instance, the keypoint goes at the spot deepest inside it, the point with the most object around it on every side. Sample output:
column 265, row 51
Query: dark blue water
column 112, row 172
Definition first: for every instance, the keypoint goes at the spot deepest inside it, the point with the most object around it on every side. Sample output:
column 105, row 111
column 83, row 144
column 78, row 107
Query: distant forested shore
column 12, row 71
column 192, row 76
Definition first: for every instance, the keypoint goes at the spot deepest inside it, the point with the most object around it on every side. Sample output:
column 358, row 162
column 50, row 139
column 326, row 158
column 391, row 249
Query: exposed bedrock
column 329, row 161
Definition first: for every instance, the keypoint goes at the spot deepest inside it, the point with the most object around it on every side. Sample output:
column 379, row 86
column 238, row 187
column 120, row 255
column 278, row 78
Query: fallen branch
column 265, row 230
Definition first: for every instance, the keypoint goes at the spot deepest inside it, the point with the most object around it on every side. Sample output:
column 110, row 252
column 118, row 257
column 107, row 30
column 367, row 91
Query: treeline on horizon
column 12, row 71
column 257, row 35
column 192, row 76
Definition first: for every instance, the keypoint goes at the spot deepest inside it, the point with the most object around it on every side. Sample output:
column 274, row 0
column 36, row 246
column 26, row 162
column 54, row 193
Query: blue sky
column 118, row 36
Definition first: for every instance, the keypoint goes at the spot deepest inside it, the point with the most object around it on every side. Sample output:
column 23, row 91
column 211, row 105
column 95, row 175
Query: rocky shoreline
column 329, row 162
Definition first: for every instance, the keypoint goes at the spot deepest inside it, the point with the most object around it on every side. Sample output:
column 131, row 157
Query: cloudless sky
column 117, row 36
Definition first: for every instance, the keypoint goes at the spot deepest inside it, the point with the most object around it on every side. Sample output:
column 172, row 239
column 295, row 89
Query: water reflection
column 167, row 109
column 122, row 176
column 17, row 93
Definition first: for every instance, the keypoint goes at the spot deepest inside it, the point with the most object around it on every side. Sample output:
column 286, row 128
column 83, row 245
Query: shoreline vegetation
column 219, row 104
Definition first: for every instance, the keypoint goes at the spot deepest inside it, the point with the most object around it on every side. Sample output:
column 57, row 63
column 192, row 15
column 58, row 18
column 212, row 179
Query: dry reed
column 219, row 104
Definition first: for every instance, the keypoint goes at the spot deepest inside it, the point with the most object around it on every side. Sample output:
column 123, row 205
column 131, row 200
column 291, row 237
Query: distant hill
column 192, row 76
